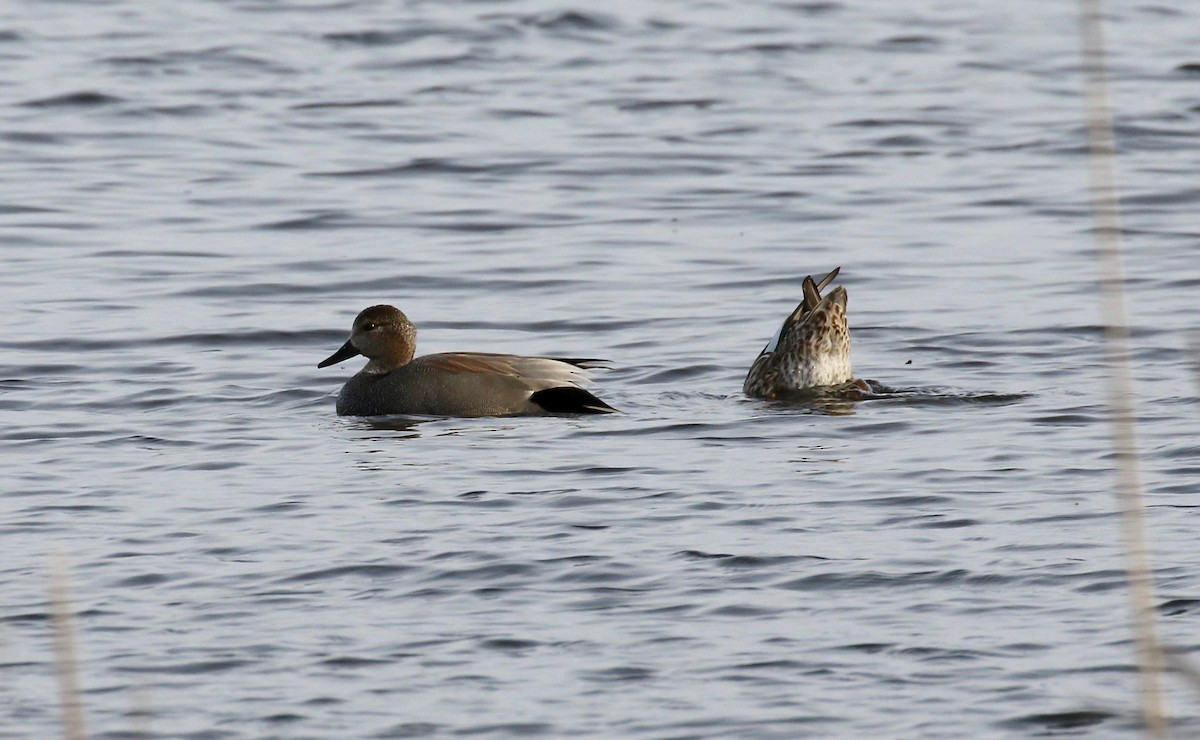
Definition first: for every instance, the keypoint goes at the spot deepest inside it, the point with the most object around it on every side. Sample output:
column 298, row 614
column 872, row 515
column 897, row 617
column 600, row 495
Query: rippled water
column 197, row 198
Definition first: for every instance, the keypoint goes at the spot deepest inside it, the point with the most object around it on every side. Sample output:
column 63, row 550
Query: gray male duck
column 810, row 354
column 453, row 383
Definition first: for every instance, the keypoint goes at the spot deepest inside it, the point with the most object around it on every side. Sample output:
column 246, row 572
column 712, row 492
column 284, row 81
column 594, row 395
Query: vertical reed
column 66, row 660
column 1106, row 215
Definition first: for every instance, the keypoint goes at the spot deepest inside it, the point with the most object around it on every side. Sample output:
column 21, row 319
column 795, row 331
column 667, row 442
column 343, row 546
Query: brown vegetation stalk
column 1106, row 213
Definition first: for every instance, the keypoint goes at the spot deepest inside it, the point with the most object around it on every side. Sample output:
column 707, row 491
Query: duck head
column 382, row 334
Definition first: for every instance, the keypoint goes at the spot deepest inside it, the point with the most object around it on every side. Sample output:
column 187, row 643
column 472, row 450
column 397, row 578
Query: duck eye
column 370, row 326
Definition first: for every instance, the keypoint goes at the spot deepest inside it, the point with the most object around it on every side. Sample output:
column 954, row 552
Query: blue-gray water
column 196, row 198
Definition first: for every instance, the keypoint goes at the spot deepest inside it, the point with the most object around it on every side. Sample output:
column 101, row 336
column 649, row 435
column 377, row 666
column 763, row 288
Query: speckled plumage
column 811, row 350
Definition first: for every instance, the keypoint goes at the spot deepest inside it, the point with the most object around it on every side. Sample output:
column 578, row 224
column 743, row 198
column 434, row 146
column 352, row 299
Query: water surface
column 197, row 199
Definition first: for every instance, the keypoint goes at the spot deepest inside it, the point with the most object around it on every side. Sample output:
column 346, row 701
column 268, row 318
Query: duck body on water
column 810, row 354
column 453, row 383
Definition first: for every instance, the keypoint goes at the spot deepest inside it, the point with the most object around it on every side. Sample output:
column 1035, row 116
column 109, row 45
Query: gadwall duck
column 453, row 383
column 811, row 351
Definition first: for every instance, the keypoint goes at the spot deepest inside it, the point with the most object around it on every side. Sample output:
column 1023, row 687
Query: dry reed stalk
column 1106, row 214
column 66, row 660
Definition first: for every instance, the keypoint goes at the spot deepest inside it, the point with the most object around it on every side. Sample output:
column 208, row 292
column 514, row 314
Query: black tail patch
column 568, row 399
column 584, row 362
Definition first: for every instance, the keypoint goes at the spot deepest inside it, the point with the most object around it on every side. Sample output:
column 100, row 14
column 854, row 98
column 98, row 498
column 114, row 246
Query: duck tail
column 569, row 399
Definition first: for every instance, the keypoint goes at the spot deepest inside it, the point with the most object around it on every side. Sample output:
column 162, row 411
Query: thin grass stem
column 1106, row 214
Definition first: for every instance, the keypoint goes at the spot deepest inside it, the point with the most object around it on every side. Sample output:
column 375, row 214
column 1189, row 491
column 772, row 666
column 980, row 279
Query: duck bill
column 345, row 353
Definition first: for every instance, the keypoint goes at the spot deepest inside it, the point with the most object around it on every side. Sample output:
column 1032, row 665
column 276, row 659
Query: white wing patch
column 774, row 343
